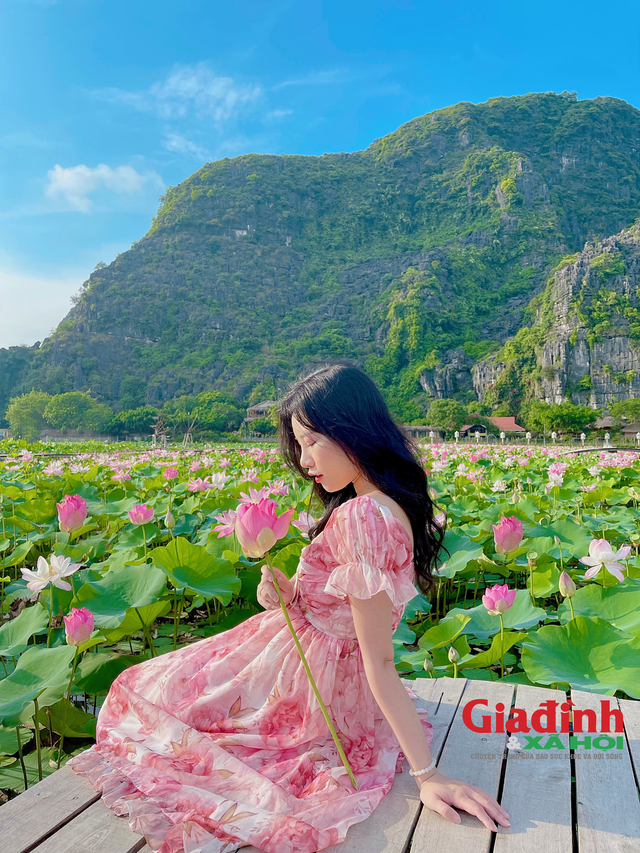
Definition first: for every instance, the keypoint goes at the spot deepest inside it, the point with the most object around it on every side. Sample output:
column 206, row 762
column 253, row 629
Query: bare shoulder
column 396, row 509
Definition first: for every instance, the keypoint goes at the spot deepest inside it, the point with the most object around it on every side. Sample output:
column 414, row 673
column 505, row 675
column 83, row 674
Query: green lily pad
column 129, row 586
column 493, row 654
column 135, row 619
column 619, row 604
column 444, row 633
column 521, row 615
column 17, row 556
column 462, row 551
column 96, row 673
column 41, row 673
column 15, row 634
column 9, row 740
column 587, row 653
column 11, row 777
column 191, row 567
column 63, row 716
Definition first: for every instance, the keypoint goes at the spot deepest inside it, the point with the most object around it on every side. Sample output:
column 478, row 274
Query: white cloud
column 336, row 76
column 189, row 88
column 32, row 306
column 275, row 114
column 76, row 183
column 181, row 145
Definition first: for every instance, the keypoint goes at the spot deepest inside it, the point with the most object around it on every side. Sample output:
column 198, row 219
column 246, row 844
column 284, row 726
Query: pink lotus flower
column 498, row 598
column 199, row 485
column 53, row 469
column 255, row 495
column 72, row 513
column 258, row 527
column 440, row 519
column 141, row 514
column 507, row 534
column 27, row 455
column 61, row 567
column 279, row 487
column 78, row 626
column 602, row 555
column 170, row 473
column 228, row 525
column 304, row 521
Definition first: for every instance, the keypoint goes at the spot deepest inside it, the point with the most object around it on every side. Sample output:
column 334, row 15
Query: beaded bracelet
column 426, row 769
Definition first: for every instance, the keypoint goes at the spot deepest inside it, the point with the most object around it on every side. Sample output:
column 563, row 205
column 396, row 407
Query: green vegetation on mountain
column 434, row 238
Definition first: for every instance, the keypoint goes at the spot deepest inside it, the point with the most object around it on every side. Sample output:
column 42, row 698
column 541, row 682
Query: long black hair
column 343, row 403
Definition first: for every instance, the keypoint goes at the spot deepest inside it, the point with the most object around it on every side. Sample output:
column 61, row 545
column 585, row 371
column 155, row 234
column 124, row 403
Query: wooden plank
column 436, row 834
column 631, row 711
column 537, row 790
column 96, row 830
column 43, row 809
column 388, row 828
column 608, row 811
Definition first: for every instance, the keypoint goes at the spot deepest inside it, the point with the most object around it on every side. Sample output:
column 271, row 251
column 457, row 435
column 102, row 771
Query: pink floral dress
column 223, row 743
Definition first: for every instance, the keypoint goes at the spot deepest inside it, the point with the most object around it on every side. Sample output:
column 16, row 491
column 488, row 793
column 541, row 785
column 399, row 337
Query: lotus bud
column 78, row 626
column 72, row 513
column 141, row 514
column 567, row 585
column 453, row 655
column 427, row 664
column 169, row 520
column 507, row 534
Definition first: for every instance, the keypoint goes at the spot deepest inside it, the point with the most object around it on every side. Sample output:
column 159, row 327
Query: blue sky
column 103, row 103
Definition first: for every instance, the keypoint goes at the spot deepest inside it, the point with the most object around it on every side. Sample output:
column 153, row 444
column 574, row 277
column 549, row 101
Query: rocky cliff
column 588, row 327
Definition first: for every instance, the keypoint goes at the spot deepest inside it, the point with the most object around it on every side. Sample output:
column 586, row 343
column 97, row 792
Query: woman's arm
column 373, row 618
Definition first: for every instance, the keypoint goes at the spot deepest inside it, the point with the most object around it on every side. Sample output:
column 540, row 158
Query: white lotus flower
column 61, row 567
column 602, row 555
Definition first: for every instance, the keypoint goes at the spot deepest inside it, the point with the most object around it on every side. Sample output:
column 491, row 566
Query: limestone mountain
column 415, row 258
column 584, row 343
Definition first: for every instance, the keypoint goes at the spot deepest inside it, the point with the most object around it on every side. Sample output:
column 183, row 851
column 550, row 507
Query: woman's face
column 322, row 456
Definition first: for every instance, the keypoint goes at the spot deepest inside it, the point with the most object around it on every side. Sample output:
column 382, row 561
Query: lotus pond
column 110, row 557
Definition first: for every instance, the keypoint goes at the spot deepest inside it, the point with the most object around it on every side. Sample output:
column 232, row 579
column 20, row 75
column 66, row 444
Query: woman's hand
column 266, row 591
column 439, row 792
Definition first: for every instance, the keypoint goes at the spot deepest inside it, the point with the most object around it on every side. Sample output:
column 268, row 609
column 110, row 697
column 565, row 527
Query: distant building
column 469, row 430
column 421, row 431
column 503, row 423
column 630, row 430
column 259, row 410
column 604, row 423
column 506, row 424
column 4, row 433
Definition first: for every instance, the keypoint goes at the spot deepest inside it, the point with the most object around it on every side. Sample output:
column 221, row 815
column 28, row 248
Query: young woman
column 222, row 744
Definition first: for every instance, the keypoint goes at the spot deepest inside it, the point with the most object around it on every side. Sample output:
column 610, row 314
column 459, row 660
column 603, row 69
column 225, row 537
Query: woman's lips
column 318, row 477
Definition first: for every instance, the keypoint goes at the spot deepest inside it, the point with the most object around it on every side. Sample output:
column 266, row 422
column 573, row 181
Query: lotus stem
column 20, row 756
column 37, row 731
column 501, row 645
column 50, row 614
column 311, row 679
column 66, row 710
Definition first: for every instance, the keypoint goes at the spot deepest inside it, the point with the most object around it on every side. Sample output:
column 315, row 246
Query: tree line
column 208, row 412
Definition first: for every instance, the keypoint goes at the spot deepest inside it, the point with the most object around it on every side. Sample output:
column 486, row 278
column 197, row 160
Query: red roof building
column 507, row 424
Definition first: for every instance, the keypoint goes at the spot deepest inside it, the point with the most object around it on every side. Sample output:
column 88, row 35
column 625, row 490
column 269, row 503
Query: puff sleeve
column 370, row 553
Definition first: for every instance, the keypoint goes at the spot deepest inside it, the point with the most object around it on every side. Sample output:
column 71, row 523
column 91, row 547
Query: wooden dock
column 556, row 804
